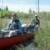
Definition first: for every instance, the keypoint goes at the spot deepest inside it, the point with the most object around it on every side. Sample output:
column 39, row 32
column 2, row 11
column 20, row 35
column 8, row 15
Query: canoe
column 10, row 41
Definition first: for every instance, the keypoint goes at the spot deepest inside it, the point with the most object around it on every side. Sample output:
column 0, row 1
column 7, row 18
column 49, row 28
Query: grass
column 3, row 22
column 42, row 37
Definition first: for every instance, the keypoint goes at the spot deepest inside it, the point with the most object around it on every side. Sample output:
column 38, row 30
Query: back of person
column 13, row 26
column 34, row 24
column 16, row 24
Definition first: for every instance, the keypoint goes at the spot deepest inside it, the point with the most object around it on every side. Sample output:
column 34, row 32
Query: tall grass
column 43, row 35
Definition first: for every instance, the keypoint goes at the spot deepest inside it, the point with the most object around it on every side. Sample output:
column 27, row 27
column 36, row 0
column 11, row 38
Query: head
column 14, row 16
column 36, row 17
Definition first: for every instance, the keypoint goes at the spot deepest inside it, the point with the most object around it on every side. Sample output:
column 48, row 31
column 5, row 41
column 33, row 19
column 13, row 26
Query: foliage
column 7, row 13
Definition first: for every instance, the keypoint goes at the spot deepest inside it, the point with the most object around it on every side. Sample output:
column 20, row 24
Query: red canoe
column 9, row 41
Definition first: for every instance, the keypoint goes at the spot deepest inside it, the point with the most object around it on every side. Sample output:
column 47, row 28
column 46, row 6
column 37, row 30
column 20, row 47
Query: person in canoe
column 35, row 23
column 16, row 24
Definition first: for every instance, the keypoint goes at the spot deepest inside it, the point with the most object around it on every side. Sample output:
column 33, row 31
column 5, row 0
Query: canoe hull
column 9, row 41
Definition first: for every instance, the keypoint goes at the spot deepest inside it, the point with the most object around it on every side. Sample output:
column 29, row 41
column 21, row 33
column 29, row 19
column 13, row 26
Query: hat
column 36, row 15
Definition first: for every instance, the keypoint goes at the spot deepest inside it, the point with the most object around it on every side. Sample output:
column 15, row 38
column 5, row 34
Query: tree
column 6, row 8
column 30, row 11
column 0, row 9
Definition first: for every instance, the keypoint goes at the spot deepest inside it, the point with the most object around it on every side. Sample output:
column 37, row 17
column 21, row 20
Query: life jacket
column 33, row 24
column 16, row 25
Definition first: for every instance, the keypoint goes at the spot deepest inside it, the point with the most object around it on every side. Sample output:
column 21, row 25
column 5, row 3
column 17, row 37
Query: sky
column 25, row 5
